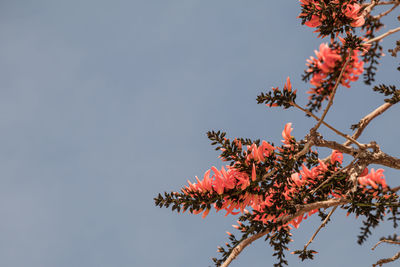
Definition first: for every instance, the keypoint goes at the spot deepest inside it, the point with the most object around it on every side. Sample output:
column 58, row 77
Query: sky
column 104, row 104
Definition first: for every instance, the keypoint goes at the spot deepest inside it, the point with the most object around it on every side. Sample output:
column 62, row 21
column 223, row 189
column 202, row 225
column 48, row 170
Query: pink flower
column 205, row 213
column 286, row 133
column 243, row 179
column 365, row 172
column 326, row 62
column 336, row 156
column 373, row 179
column 351, row 11
column 288, row 85
column 313, row 22
column 296, row 179
column 378, row 177
column 259, row 153
column 253, row 173
column 306, row 173
column 305, row 2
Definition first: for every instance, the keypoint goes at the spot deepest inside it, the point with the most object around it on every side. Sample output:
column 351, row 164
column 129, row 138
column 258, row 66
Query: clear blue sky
column 103, row 104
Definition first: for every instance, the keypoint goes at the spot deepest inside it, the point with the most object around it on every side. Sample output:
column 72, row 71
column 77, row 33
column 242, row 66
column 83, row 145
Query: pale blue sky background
column 103, row 104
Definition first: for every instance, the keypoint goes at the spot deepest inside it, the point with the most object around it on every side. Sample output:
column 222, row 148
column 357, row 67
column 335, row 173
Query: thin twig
column 387, row 3
column 364, row 123
column 381, row 3
column 386, row 241
column 380, row 37
column 269, row 174
column 305, row 149
column 387, row 11
column 284, row 219
column 332, row 95
column 320, row 227
column 367, row 119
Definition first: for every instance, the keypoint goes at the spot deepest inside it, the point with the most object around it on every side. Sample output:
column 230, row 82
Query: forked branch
column 367, row 119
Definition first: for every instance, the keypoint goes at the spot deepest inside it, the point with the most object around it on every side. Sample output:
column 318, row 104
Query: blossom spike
column 253, row 173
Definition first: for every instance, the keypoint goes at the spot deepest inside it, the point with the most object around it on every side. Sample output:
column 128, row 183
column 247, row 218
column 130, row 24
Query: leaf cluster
column 395, row 50
column 277, row 97
column 305, row 254
column 374, row 207
column 374, row 53
column 390, row 90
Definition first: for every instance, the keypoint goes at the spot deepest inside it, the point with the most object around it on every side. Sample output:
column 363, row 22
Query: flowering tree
column 275, row 187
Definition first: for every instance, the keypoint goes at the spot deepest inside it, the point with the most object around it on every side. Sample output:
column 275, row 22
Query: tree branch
column 385, row 160
column 380, row 37
column 381, row 3
column 383, row 261
column 349, row 138
column 284, row 219
column 336, row 146
column 367, row 119
column 387, row 11
column 386, row 241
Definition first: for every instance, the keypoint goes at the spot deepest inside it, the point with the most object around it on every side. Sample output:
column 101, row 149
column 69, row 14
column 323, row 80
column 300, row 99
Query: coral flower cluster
column 350, row 10
column 230, row 178
column 220, row 182
column 373, row 179
column 326, row 61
